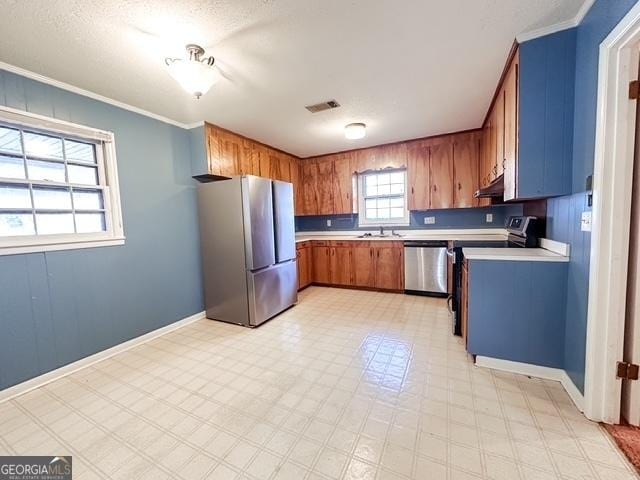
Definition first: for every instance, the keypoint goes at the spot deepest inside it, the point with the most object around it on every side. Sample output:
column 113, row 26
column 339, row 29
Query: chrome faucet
column 381, row 231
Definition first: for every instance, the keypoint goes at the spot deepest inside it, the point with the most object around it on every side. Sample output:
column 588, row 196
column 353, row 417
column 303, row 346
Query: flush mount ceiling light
column 196, row 74
column 355, row 131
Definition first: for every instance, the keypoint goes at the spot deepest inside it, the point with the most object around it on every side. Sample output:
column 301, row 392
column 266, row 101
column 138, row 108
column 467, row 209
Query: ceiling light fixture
column 195, row 74
column 355, row 131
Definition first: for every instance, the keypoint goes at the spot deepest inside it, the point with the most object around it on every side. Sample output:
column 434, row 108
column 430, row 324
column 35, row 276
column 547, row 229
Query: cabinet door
column 231, row 148
column 342, row 184
column 484, row 168
column 511, row 130
column 418, row 177
column 301, row 267
column 250, row 158
column 441, row 175
column 340, row 266
column 321, row 266
column 499, row 136
column 324, row 182
column 309, row 193
column 294, row 170
column 363, row 265
column 308, row 254
column 465, row 172
column 389, row 261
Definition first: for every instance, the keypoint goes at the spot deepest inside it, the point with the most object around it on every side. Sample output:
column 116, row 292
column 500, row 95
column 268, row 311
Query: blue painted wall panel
column 447, row 218
column 547, row 69
column 58, row 307
column 516, row 311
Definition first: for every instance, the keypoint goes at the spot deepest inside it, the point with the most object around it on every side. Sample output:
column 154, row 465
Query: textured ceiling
column 407, row 68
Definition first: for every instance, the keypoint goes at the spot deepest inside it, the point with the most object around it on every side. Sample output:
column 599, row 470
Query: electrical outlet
column 489, row 218
column 585, row 222
column 328, row 223
column 429, row 220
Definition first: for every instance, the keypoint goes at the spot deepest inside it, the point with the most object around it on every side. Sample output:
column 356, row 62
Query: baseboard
column 547, row 373
column 571, row 389
column 49, row 377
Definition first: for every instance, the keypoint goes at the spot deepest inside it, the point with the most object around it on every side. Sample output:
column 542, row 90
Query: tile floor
column 346, row 385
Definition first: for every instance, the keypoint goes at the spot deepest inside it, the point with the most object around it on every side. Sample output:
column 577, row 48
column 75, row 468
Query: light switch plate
column 585, row 222
column 328, row 223
column 489, row 217
column 429, row 220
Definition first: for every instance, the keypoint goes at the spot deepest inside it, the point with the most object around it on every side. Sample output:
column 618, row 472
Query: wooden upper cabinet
column 418, row 177
column 499, row 136
column 342, row 188
column 250, row 158
column 324, row 185
column 309, row 186
column 441, row 175
column 466, row 159
column 511, row 129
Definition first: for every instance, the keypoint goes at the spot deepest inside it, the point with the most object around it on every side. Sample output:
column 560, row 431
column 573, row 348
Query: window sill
column 58, row 246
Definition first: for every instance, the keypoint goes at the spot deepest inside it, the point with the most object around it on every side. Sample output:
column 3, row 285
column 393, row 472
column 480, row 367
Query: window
column 382, row 198
column 58, row 185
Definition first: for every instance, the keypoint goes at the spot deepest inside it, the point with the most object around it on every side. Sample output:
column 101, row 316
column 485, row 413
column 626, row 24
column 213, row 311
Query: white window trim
column 108, row 167
column 392, row 222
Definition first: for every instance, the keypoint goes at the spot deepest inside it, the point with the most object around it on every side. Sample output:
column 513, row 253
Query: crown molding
column 557, row 27
column 95, row 96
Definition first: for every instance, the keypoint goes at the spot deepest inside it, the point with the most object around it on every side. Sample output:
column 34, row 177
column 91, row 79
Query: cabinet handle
column 459, row 186
column 504, row 163
column 412, row 191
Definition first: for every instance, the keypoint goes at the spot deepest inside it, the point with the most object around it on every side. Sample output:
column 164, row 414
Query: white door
column 630, row 408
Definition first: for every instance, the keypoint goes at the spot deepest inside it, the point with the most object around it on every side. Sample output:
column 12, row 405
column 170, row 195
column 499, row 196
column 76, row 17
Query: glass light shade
column 355, row 131
column 194, row 76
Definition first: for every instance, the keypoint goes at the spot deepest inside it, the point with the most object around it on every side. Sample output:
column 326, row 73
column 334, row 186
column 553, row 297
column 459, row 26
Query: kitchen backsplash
column 450, row 218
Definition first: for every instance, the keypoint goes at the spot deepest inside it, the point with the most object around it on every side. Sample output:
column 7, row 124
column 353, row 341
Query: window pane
column 14, row 196
column 49, row 171
column 397, row 202
column 371, row 191
column 383, row 178
column 397, row 188
column 384, row 190
column 52, row 223
column 87, row 200
column 42, row 145
column 371, row 180
column 397, row 177
column 12, row 224
column 10, row 140
column 397, row 213
column 383, row 203
column 78, row 151
column 90, row 222
column 11, row 167
column 383, row 213
column 51, row 199
column 371, row 213
column 370, row 203
column 83, row 175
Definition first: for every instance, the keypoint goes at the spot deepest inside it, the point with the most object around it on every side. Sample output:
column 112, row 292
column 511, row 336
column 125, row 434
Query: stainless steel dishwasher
column 425, row 267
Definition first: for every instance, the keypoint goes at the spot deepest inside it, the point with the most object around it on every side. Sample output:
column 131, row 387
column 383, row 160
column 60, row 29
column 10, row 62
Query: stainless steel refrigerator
column 247, row 237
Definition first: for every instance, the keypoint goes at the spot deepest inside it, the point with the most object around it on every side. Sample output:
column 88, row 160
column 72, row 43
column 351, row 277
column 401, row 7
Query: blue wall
column 58, row 307
column 565, row 212
column 448, row 218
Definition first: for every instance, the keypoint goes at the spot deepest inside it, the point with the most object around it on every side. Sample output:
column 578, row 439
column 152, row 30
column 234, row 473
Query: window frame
column 363, row 221
column 107, row 169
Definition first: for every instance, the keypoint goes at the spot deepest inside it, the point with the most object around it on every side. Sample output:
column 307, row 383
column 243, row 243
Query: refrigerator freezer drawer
column 271, row 291
column 425, row 269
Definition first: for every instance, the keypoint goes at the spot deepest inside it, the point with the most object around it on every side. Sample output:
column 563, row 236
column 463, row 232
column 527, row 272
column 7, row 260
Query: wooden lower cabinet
column 304, row 257
column 389, row 265
column 376, row 265
column 364, row 269
column 340, row 265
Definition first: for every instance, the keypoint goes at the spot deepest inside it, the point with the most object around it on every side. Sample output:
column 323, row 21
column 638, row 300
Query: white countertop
column 459, row 234
column 514, row 254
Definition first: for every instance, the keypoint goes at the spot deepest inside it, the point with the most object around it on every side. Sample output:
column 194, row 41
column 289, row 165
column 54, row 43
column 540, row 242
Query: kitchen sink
column 377, row 235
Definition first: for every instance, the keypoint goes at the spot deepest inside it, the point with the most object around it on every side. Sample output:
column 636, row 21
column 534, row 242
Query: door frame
column 612, row 189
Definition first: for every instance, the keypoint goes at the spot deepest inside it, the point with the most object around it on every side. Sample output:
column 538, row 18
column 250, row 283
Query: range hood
column 494, row 189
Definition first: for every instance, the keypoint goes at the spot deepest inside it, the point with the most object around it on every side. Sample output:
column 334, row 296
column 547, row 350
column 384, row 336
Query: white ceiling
column 407, row 69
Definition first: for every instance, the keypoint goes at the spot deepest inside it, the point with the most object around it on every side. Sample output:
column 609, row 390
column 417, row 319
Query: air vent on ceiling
column 320, row 107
